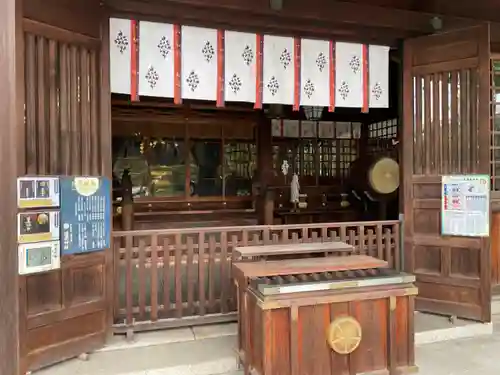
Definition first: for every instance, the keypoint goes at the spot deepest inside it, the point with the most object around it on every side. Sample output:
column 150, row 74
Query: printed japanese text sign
column 85, row 214
column 465, row 205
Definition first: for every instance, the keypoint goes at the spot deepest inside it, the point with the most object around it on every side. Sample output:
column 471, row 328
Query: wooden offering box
column 343, row 316
column 276, row 252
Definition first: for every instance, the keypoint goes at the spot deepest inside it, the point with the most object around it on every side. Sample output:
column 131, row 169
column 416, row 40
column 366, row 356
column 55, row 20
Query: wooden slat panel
column 446, row 136
column 42, row 128
column 86, row 128
column 418, row 148
column 74, row 105
column 95, row 144
column 454, row 123
column 436, row 134
column 31, row 103
column 53, row 109
column 65, row 110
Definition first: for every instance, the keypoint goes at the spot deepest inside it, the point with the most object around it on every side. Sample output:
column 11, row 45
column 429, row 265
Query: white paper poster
column 240, row 66
column 277, row 127
column 199, row 63
column 308, row 129
column 326, row 130
column 291, row 128
column 465, row 205
column 156, row 59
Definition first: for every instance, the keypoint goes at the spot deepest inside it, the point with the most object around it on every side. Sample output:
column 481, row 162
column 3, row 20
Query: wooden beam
column 482, row 10
column 324, row 11
column 11, row 158
column 340, row 21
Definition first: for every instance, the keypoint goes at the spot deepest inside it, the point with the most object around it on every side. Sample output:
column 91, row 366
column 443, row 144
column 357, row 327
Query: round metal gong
column 383, row 176
column 344, row 335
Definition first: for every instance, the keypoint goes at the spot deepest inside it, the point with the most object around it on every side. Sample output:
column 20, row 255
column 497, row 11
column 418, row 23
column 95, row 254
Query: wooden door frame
column 12, row 112
column 41, row 19
column 483, row 116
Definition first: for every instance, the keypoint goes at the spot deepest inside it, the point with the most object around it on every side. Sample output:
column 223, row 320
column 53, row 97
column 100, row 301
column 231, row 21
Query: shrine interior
column 196, row 165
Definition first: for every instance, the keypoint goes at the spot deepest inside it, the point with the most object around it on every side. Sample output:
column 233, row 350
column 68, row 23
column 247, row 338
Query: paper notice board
column 465, row 205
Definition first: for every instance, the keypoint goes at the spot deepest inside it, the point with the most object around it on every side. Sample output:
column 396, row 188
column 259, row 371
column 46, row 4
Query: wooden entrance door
column 66, row 312
column 446, row 91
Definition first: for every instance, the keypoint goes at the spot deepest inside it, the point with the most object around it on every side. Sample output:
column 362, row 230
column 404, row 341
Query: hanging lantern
column 313, row 113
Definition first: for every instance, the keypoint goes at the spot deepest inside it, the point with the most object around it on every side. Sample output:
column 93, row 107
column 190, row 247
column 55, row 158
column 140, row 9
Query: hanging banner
column 315, row 73
column 240, row 66
column 379, row 76
column 278, row 70
column 120, row 44
column 349, row 77
column 156, row 59
column 199, row 63
column 465, row 205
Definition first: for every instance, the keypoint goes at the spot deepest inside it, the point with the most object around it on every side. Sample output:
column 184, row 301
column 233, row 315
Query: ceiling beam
column 265, row 22
column 342, row 12
column 484, row 10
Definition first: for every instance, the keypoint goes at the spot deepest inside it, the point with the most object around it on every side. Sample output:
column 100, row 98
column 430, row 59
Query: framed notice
column 85, row 216
column 38, row 192
column 465, row 205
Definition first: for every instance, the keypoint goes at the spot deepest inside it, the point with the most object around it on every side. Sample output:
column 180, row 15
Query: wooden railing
column 167, row 278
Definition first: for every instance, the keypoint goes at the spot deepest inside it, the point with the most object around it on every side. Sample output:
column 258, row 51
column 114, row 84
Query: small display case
column 36, row 226
column 39, row 257
column 38, row 192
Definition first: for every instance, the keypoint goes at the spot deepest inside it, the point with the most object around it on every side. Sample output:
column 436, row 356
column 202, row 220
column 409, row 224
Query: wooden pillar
column 11, row 160
column 265, row 173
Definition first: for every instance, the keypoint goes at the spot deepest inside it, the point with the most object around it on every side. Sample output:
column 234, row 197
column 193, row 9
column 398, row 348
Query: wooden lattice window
column 308, row 150
column 288, row 150
column 318, row 157
column 495, row 125
column 240, row 162
column 327, row 153
column 348, row 154
column 382, row 137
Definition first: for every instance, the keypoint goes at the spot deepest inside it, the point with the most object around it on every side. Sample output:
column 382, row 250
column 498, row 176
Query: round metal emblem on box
column 344, row 335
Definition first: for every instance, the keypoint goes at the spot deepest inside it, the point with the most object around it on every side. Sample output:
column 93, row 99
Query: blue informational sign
column 85, row 214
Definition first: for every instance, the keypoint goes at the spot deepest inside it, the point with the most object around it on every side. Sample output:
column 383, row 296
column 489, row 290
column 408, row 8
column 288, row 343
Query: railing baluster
column 178, row 276
column 154, row 278
column 166, row 277
column 211, row 272
column 128, row 282
column 142, row 278
column 224, row 275
column 397, row 249
column 201, row 274
column 190, row 276
column 388, row 247
column 380, row 248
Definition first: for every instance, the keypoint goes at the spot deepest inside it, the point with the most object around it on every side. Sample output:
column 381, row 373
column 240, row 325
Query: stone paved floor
column 215, row 356
column 478, row 356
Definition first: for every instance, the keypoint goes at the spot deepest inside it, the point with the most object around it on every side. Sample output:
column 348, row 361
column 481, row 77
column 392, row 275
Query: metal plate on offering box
column 322, row 281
